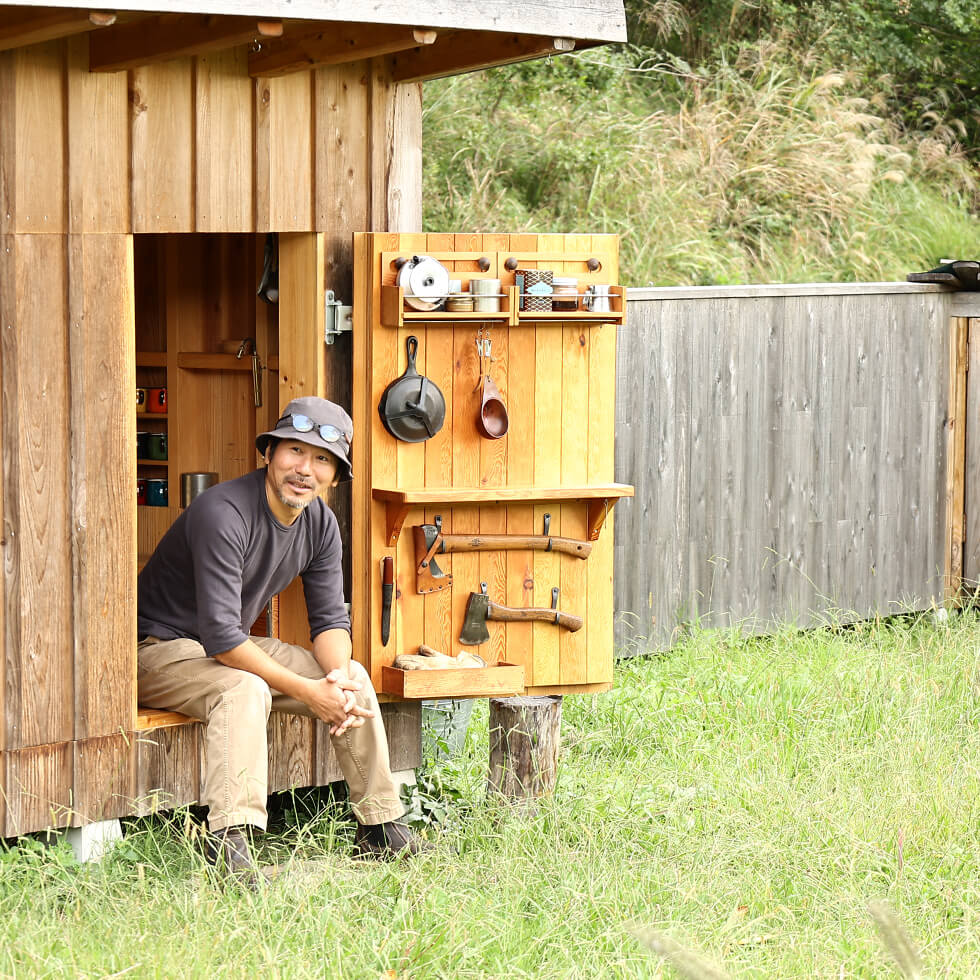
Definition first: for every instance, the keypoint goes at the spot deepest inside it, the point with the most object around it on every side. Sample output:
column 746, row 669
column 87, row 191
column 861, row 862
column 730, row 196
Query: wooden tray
column 498, row 681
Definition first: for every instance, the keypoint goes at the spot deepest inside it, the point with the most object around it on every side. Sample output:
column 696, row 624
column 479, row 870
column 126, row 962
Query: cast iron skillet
column 412, row 407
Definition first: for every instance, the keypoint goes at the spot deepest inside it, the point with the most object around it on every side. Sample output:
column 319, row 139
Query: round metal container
column 194, row 484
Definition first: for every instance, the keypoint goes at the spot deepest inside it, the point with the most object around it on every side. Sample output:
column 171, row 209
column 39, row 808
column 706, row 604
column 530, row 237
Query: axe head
column 429, row 576
column 474, row 631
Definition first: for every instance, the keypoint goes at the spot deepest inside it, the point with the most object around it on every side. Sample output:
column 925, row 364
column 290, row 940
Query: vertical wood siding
column 87, row 161
column 788, row 453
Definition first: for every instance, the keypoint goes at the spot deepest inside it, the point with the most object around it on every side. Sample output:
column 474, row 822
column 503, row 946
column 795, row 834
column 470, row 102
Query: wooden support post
column 524, row 736
column 956, row 432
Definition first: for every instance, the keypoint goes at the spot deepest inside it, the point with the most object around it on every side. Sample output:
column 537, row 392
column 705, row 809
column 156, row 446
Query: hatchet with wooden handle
column 480, row 608
column 430, row 541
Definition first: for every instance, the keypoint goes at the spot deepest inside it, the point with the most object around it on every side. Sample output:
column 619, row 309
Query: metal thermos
column 194, row 484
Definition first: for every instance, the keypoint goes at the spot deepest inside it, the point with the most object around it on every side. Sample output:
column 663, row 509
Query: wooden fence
column 788, row 445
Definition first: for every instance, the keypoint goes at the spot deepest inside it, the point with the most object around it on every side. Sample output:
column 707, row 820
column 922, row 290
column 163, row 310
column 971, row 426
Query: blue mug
column 156, row 493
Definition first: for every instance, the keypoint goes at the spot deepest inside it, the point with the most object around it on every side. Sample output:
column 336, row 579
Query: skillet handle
column 411, row 351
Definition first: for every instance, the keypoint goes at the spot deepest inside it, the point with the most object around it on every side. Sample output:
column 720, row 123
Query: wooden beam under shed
column 38, row 24
column 463, row 51
column 169, row 36
column 335, row 44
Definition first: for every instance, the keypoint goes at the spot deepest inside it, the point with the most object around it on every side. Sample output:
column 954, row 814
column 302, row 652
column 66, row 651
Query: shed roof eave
column 598, row 21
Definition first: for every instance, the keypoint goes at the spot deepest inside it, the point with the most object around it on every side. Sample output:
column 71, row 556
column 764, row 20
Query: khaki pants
column 177, row 675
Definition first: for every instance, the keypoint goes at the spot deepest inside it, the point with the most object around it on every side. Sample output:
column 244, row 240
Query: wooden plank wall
column 196, row 145
column 548, row 372
column 788, row 449
column 86, row 162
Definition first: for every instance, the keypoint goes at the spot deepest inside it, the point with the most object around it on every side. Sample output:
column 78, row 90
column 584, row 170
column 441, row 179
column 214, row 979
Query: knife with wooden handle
column 387, row 593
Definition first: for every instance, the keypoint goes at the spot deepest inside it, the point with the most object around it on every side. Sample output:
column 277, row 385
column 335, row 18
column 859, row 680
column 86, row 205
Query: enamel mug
column 156, row 445
column 156, row 493
column 156, row 400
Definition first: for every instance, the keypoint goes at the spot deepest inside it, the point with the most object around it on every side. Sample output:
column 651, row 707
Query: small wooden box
column 497, row 681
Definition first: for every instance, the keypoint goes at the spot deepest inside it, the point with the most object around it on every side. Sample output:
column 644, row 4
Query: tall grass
column 751, row 801
column 765, row 169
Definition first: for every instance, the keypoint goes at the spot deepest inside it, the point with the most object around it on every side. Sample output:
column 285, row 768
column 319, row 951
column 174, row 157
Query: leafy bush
column 760, row 168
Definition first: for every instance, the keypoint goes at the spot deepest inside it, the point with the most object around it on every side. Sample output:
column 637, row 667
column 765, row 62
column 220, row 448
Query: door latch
column 337, row 318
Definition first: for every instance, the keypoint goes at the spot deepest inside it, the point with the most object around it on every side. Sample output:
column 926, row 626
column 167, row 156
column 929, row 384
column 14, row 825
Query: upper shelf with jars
column 506, row 289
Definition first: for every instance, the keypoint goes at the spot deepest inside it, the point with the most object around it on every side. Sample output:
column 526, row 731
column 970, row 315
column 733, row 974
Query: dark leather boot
column 384, row 841
column 229, row 852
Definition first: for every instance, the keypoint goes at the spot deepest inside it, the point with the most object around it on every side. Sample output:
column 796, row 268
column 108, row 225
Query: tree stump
column 524, row 735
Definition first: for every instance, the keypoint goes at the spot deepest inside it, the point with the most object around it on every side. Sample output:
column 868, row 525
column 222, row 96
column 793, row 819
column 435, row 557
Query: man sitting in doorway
column 211, row 576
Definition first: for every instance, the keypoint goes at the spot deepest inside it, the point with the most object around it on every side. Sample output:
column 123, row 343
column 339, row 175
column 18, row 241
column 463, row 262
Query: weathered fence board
column 788, row 450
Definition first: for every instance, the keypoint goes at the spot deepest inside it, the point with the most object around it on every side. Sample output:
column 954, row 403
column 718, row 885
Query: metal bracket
column 337, row 318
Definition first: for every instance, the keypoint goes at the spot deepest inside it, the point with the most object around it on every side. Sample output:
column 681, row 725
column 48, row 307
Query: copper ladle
column 492, row 421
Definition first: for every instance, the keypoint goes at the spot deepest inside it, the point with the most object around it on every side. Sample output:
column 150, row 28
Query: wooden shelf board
column 152, row 462
column 199, row 361
column 479, row 495
column 440, row 316
column 582, row 315
column 499, row 680
column 398, row 503
column 151, row 417
column 151, row 359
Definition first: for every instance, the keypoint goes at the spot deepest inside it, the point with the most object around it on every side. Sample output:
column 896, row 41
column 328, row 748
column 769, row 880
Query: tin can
column 538, row 290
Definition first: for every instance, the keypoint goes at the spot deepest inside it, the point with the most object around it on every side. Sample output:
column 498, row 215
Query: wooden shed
column 145, row 156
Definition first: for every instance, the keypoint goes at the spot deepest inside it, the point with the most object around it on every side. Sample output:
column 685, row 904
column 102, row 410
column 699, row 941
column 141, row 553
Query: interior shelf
column 151, row 359
column 601, row 497
column 151, row 462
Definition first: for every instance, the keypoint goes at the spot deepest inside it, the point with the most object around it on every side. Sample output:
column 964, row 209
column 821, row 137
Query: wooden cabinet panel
column 556, row 375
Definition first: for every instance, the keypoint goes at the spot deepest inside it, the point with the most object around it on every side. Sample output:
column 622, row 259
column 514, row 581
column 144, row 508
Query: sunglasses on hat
column 303, row 423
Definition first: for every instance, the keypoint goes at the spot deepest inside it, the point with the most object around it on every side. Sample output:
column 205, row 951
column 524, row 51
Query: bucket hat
column 316, row 422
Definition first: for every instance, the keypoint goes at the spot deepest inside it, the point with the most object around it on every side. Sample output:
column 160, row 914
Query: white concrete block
column 93, row 841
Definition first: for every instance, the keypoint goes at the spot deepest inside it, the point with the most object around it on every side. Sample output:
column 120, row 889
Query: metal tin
column 194, row 484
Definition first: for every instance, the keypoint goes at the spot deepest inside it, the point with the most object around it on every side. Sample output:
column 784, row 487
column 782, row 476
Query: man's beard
column 295, row 504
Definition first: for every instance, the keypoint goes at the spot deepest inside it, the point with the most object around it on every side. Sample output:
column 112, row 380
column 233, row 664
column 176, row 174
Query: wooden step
column 147, row 718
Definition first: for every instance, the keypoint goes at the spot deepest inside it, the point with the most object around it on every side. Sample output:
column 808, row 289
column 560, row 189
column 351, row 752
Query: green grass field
column 745, row 798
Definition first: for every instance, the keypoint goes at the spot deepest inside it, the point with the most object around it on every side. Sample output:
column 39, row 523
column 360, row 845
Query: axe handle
column 507, row 614
column 514, row 542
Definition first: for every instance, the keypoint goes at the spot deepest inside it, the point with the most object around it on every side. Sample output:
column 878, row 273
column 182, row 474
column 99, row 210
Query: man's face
column 297, row 473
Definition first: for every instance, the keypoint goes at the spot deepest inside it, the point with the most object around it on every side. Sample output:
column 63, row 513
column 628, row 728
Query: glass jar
column 564, row 299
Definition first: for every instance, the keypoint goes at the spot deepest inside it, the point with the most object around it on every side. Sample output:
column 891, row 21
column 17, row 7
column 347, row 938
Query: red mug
column 156, row 400
column 141, row 492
